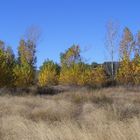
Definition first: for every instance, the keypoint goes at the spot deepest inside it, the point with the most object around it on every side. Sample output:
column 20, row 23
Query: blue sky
column 66, row 22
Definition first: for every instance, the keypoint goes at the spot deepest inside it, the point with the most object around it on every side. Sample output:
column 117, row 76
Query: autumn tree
column 72, row 55
column 25, row 69
column 69, row 65
column 7, row 62
column 97, row 77
column 136, row 60
column 76, row 74
column 125, row 72
column 49, row 74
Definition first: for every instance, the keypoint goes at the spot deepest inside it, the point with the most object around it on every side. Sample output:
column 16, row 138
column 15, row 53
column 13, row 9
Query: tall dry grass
column 106, row 114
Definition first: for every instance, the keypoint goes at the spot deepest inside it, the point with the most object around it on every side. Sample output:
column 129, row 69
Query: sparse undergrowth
column 105, row 114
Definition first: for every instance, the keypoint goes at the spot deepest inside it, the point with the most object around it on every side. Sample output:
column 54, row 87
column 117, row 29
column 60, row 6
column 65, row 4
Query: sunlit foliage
column 7, row 62
column 71, row 56
column 49, row 74
column 97, row 77
column 24, row 70
column 125, row 72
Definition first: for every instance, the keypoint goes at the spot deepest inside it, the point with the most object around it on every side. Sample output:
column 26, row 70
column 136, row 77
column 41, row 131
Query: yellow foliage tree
column 125, row 72
column 97, row 77
column 72, row 55
column 24, row 70
column 71, row 66
column 49, row 74
column 136, row 61
column 83, row 75
column 136, row 70
column 76, row 74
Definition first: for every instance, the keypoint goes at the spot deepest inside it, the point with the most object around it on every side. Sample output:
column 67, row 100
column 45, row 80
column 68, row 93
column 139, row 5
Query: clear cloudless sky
column 66, row 22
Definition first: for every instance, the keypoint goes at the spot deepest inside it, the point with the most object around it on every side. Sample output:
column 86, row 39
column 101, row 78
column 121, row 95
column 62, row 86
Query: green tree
column 7, row 62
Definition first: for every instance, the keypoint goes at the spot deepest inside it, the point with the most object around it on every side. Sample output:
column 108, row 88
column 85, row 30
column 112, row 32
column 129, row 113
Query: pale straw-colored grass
column 88, row 115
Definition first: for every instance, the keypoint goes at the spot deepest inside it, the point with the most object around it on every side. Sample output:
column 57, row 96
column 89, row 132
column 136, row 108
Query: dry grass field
column 105, row 114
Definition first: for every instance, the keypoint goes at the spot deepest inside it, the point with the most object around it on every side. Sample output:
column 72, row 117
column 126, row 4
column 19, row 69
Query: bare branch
column 111, row 43
column 33, row 33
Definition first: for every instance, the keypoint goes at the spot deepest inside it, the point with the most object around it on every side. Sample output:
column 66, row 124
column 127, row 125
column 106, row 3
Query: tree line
column 21, row 71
